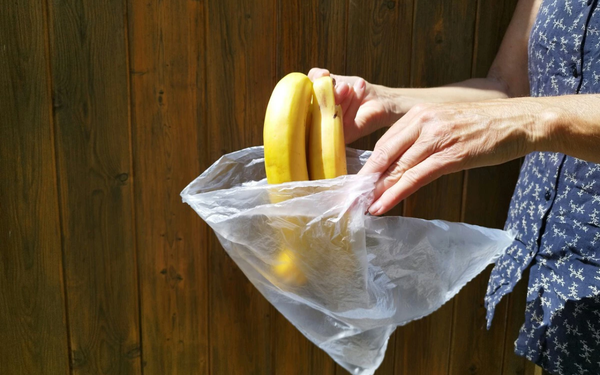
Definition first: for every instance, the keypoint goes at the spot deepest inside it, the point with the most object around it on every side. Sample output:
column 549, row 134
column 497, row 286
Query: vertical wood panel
column 89, row 71
column 475, row 349
column 309, row 34
column 441, row 54
column 442, row 41
column 169, row 126
column 32, row 310
column 240, row 77
column 194, row 100
column 380, row 41
column 379, row 50
column 493, row 19
column 486, row 199
column 379, row 47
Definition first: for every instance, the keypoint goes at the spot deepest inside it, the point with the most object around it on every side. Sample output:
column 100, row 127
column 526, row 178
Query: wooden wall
column 109, row 108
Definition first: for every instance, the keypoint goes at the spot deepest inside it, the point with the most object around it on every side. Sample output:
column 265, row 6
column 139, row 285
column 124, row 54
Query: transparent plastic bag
column 348, row 279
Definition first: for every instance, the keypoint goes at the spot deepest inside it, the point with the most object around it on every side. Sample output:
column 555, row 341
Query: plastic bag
column 349, row 278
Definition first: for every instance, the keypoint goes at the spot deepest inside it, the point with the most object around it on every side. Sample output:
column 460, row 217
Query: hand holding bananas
column 440, row 130
column 367, row 107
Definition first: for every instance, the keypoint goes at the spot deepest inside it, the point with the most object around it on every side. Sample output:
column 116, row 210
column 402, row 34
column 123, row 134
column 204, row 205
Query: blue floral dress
column 555, row 209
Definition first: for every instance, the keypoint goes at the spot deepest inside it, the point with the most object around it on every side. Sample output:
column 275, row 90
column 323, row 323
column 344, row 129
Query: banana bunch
column 303, row 139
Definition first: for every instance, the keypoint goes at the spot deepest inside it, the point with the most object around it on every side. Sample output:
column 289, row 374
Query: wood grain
column 492, row 22
column 485, row 204
column 91, row 104
column 442, row 41
column 91, row 188
column 486, row 200
column 309, row 34
column 240, row 76
column 169, row 125
column 380, row 41
column 32, row 303
column 379, row 48
column 441, row 54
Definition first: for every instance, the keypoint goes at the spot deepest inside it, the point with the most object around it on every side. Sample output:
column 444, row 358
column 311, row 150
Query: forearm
column 401, row 100
column 570, row 125
column 471, row 90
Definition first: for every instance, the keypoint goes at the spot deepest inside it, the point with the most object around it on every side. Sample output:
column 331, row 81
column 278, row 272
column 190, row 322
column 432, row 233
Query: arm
column 368, row 107
column 571, row 125
column 507, row 76
column 487, row 122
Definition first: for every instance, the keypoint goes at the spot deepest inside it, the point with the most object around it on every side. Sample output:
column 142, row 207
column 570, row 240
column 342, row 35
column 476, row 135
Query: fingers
column 315, row 73
column 352, row 100
column 415, row 154
column 388, row 150
column 342, row 92
column 413, row 179
column 345, row 87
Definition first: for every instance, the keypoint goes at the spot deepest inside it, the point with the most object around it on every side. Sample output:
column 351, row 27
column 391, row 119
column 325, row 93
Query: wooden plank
column 475, row 349
column 32, row 303
column 492, row 21
column 167, row 84
column 441, row 54
column 379, row 50
column 91, row 103
column 309, row 34
column 487, row 196
column 240, row 77
column 442, row 41
column 380, row 41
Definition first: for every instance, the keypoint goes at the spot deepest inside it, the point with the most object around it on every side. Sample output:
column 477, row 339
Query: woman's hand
column 432, row 140
column 367, row 107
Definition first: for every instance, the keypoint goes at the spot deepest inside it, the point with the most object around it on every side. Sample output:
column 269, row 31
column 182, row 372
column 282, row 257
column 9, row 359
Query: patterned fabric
column 555, row 209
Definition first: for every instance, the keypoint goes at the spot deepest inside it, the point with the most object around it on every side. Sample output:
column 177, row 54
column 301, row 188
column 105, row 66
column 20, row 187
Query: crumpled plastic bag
column 356, row 276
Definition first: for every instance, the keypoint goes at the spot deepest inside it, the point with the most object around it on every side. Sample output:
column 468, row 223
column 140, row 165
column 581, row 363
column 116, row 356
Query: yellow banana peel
column 284, row 131
column 326, row 149
column 303, row 137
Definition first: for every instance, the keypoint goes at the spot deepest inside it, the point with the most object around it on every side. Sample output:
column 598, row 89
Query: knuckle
column 380, row 156
column 420, row 107
column 437, row 133
column 413, row 177
column 395, row 171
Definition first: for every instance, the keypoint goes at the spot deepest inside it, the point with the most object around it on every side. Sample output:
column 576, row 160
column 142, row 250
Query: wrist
column 548, row 128
column 398, row 101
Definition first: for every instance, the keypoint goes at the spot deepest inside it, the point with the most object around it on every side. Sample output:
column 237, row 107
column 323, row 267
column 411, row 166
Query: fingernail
column 375, row 208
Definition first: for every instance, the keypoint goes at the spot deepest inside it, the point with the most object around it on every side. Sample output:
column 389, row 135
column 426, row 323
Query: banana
column 284, row 131
column 326, row 148
column 287, row 269
column 303, row 138
column 285, row 136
